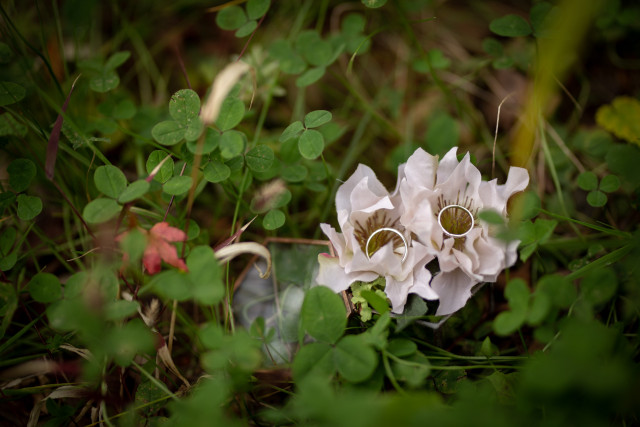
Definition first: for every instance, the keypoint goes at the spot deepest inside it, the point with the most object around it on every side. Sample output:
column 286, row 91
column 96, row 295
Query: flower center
column 455, row 219
column 376, row 232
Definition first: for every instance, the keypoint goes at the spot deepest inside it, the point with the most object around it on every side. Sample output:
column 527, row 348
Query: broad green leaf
column 21, row 172
column 231, row 113
column 491, row 217
column 273, row 219
column 45, row 287
column 104, row 82
column 177, row 185
column 378, row 303
column 310, row 76
column 374, row 4
column 166, row 170
column 231, row 144
column 184, row 106
column 437, row 59
column 150, row 399
column 596, row 198
column 620, row 118
column 609, row 183
column 231, row 18
column 205, row 275
column 134, row 191
column 194, row 130
column 292, row 131
column 257, row 8
column 211, row 142
column 402, row 347
column 117, row 59
column 316, row 358
column 311, row 144
column 323, row 314
column 215, row 171
column 110, row 180
column 29, row 207
column 172, row 284
column 317, row 118
column 10, row 93
column 355, row 360
column 507, row 322
column 510, row 26
column 588, row 181
column 316, row 51
column 169, row 132
column 294, row 173
column 246, row 29
column 260, row 158
column 100, row 210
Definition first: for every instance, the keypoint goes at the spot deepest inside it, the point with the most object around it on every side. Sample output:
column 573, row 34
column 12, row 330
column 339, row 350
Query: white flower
column 363, row 206
column 455, row 191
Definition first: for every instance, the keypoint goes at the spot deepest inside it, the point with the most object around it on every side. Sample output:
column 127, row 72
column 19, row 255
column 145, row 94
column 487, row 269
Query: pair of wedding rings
column 404, row 240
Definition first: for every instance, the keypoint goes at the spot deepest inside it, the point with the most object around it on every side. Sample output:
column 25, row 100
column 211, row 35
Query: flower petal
column 343, row 196
column 332, row 275
column 164, row 231
column 454, row 289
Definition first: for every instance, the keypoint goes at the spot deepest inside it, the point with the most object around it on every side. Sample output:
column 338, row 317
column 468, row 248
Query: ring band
column 393, row 230
column 453, row 234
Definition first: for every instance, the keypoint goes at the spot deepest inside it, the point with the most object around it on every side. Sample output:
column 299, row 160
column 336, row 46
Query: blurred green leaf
column 231, row 18
column 231, row 113
column 294, row 173
column 184, row 106
column 177, row 185
column 323, row 314
column 205, row 275
column 10, row 126
column 127, row 341
column 260, row 158
column 274, row 219
column 10, row 93
column 246, row 29
column 538, row 16
column 402, row 347
column 596, row 198
column 313, row 359
column 609, row 183
column 21, row 172
column 507, row 322
column 120, row 309
column 110, row 180
column 599, row 286
column 117, row 59
column 376, row 301
column 134, row 191
column 621, row 118
column 316, row 51
column 289, row 60
column 231, row 144
column 510, row 26
column 29, row 207
column 100, row 210
column 443, row 134
column 105, row 81
column 588, row 181
column 561, row 291
column 354, row 359
column 215, row 171
column 257, row 8
column 172, row 284
column 45, row 287
column 310, row 76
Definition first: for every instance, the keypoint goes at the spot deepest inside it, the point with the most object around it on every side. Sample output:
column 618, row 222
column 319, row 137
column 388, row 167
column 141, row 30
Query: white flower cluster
column 432, row 214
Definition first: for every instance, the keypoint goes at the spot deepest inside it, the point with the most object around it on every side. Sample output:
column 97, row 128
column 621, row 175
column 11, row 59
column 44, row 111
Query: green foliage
column 116, row 275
